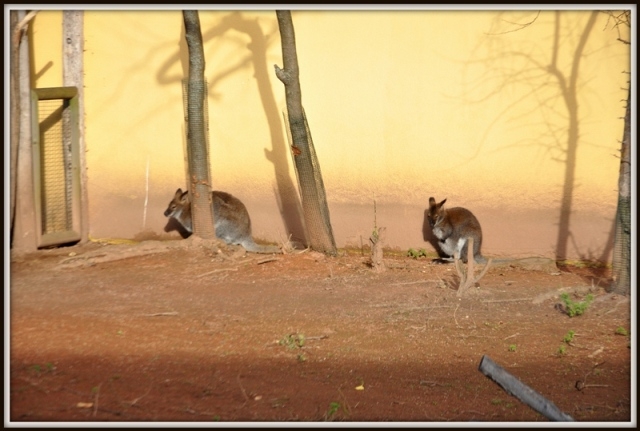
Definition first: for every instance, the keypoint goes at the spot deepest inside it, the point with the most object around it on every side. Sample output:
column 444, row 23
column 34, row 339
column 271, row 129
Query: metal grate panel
column 56, row 165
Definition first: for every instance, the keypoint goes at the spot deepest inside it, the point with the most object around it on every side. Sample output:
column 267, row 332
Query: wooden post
column 24, row 228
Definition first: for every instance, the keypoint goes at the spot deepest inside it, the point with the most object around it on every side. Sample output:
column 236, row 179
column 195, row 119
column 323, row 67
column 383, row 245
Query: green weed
column 39, row 369
column 569, row 337
column 621, row 331
column 293, row 341
column 575, row 308
column 413, row 253
column 333, row 409
column 512, row 347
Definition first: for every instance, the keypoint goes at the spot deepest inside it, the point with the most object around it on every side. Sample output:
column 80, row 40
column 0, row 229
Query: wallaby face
column 231, row 218
column 453, row 227
column 180, row 209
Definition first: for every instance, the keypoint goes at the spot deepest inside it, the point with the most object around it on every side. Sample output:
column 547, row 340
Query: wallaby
column 453, row 227
column 232, row 222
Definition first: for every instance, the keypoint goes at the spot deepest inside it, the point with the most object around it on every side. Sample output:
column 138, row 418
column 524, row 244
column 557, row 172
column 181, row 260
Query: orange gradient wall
column 402, row 105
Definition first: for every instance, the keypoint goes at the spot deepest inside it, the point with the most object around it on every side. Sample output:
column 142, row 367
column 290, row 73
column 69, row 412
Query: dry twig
column 244, row 393
column 468, row 278
column 216, row 270
column 95, row 402
column 166, row 313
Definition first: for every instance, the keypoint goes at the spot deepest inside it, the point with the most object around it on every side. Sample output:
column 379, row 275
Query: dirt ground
column 182, row 331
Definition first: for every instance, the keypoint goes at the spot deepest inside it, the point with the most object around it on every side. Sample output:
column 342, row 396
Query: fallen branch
column 135, row 400
column 491, row 301
column 166, row 313
column 95, row 401
column 216, row 270
column 580, row 385
column 318, row 337
column 454, row 314
column 244, row 393
column 415, row 282
column 597, row 352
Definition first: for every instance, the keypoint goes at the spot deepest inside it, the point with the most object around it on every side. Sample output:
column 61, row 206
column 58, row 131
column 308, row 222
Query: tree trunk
column 622, row 244
column 24, row 228
column 73, row 75
column 199, row 171
column 314, row 202
column 14, row 72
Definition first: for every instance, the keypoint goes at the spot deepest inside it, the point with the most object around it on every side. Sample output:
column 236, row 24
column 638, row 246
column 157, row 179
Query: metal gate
column 56, row 162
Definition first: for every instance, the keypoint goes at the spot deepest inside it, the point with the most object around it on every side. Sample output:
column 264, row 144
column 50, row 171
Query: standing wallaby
column 453, row 227
column 232, row 222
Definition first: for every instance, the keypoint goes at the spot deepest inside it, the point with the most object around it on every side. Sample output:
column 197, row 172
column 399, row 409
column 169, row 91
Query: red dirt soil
column 182, row 331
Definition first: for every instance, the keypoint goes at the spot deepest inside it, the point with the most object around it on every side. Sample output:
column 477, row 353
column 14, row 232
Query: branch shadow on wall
column 285, row 190
column 544, row 81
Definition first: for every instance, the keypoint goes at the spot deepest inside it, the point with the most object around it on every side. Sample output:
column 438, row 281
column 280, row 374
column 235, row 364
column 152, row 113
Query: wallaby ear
column 178, row 193
column 432, row 202
column 442, row 203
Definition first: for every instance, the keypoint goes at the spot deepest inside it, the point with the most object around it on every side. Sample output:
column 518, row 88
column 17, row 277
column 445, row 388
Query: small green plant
column 293, row 341
column 621, row 331
column 413, row 253
column 573, row 308
column 562, row 350
column 512, row 347
column 39, row 369
column 333, row 409
column 569, row 337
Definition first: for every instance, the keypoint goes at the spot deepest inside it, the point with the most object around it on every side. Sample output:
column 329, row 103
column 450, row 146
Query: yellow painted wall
column 398, row 108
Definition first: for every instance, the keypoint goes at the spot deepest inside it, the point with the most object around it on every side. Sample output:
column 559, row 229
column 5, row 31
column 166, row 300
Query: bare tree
column 199, row 170
column 314, row 201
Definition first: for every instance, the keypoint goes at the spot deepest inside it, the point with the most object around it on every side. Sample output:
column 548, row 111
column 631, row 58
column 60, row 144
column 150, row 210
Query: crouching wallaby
column 232, row 222
column 453, row 227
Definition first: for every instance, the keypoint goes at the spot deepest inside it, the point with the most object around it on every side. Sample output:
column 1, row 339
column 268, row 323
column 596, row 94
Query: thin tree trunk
column 199, row 171
column 314, row 204
column 14, row 72
column 25, row 230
